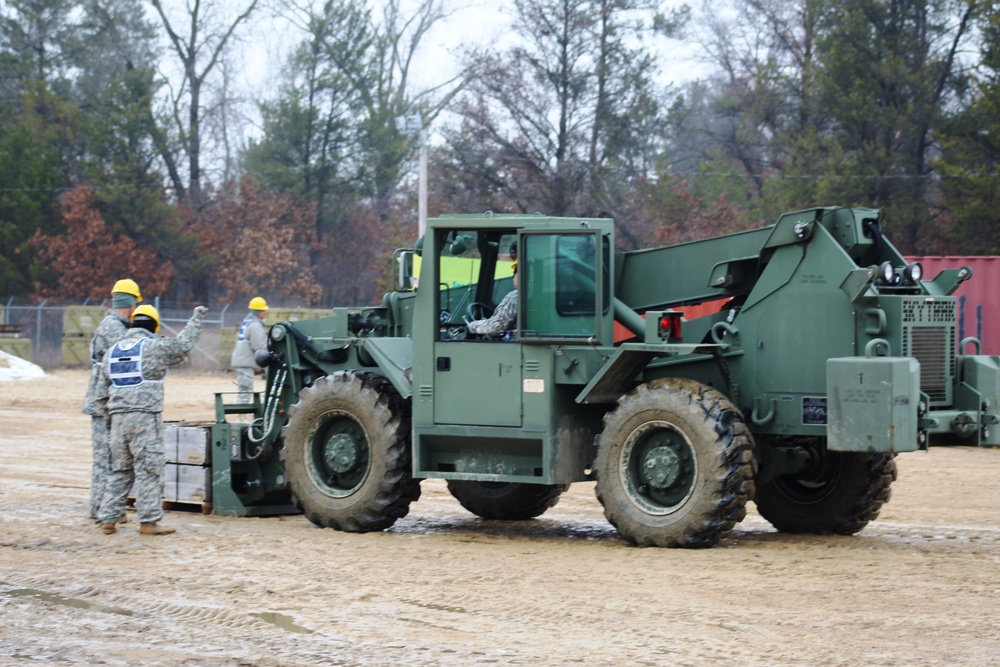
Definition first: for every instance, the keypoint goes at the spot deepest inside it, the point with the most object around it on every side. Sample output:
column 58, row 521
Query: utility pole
column 414, row 126
column 422, row 187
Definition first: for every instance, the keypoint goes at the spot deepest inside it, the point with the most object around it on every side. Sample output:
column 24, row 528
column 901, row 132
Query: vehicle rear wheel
column 510, row 501
column 838, row 492
column 674, row 465
column 347, row 453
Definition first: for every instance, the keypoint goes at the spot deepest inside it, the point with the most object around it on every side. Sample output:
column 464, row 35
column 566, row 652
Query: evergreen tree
column 37, row 128
column 970, row 164
column 826, row 102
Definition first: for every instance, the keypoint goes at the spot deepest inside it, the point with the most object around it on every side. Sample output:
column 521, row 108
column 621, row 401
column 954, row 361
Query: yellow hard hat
column 127, row 286
column 150, row 312
column 258, row 303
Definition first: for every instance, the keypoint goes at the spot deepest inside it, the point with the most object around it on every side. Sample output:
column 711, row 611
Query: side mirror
column 403, row 278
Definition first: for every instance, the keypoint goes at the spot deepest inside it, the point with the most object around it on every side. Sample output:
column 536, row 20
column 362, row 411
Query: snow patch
column 16, row 368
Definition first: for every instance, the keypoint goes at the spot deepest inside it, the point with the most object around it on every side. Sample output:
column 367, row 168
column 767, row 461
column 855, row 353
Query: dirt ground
column 919, row 586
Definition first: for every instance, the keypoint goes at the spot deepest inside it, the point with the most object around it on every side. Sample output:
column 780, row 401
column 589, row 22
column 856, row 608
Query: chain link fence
column 56, row 334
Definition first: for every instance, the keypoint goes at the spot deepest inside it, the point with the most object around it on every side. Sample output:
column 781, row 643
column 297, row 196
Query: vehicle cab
column 484, row 405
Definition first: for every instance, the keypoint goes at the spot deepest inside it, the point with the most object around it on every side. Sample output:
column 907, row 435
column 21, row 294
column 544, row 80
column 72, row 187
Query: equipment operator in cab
column 504, row 318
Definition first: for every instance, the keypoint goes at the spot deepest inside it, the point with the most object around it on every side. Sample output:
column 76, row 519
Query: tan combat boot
column 108, row 528
column 154, row 528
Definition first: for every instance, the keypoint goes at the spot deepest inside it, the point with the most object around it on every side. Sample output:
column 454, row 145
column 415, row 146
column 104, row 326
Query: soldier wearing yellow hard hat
column 147, row 317
column 135, row 368
column 252, row 336
column 125, row 295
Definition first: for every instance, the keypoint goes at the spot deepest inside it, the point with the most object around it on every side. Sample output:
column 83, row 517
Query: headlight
column 886, row 273
column 277, row 332
column 913, row 273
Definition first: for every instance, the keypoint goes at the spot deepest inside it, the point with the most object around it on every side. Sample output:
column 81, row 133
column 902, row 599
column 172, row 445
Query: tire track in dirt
column 442, row 587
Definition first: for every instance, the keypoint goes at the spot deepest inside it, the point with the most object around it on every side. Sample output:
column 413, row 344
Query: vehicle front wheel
column 347, row 453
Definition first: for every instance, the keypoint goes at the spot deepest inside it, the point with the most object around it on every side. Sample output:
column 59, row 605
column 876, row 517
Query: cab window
column 561, row 286
column 475, row 273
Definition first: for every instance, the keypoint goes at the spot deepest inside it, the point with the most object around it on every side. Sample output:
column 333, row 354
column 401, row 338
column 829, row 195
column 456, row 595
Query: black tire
column 511, row 501
column 347, row 453
column 838, row 493
column 674, row 465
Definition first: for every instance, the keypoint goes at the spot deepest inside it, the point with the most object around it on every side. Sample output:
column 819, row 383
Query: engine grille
column 929, row 337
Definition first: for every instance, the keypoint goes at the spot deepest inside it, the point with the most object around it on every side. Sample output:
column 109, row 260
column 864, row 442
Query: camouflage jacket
column 111, row 330
column 135, row 367
column 503, row 318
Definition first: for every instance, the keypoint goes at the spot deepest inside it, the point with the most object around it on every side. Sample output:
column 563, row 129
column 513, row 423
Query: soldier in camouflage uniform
column 504, row 318
column 125, row 296
column 252, row 337
column 135, row 368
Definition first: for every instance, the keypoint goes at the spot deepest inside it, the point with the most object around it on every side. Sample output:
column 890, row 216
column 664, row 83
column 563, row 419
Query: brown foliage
column 355, row 259
column 399, row 230
column 718, row 218
column 668, row 212
column 88, row 258
column 259, row 244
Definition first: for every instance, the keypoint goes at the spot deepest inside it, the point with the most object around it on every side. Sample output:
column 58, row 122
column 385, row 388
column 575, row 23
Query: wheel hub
column 661, row 468
column 341, row 453
column 338, row 453
column 658, row 467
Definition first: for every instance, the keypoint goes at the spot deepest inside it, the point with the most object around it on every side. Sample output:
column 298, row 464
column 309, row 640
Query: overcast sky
column 473, row 22
column 266, row 43
column 490, row 23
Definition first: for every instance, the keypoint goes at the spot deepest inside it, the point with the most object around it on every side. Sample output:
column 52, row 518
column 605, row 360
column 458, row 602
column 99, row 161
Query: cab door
column 477, row 383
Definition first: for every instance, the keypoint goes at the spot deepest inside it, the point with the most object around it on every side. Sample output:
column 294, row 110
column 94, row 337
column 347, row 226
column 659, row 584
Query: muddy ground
column 919, row 586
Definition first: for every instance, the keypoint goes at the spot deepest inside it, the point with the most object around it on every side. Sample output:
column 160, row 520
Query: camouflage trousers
column 136, row 457
column 100, row 433
column 244, row 384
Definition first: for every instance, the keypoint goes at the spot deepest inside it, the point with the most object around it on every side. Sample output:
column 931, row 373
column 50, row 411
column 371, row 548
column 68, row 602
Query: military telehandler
column 817, row 354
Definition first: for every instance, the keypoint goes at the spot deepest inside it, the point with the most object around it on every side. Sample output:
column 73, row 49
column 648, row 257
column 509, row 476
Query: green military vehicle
column 824, row 355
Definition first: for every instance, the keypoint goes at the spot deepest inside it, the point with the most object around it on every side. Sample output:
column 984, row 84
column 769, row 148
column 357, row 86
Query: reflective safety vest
column 241, row 336
column 125, row 363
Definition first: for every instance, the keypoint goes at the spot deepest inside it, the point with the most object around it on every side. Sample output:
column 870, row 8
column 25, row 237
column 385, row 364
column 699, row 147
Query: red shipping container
column 978, row 297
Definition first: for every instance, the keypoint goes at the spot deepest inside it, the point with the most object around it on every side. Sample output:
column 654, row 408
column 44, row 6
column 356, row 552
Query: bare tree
column 381, row 78
column 200, row 50
column 561, row 121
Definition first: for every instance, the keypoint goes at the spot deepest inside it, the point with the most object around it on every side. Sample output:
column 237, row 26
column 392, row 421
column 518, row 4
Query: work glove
column 200, row 310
